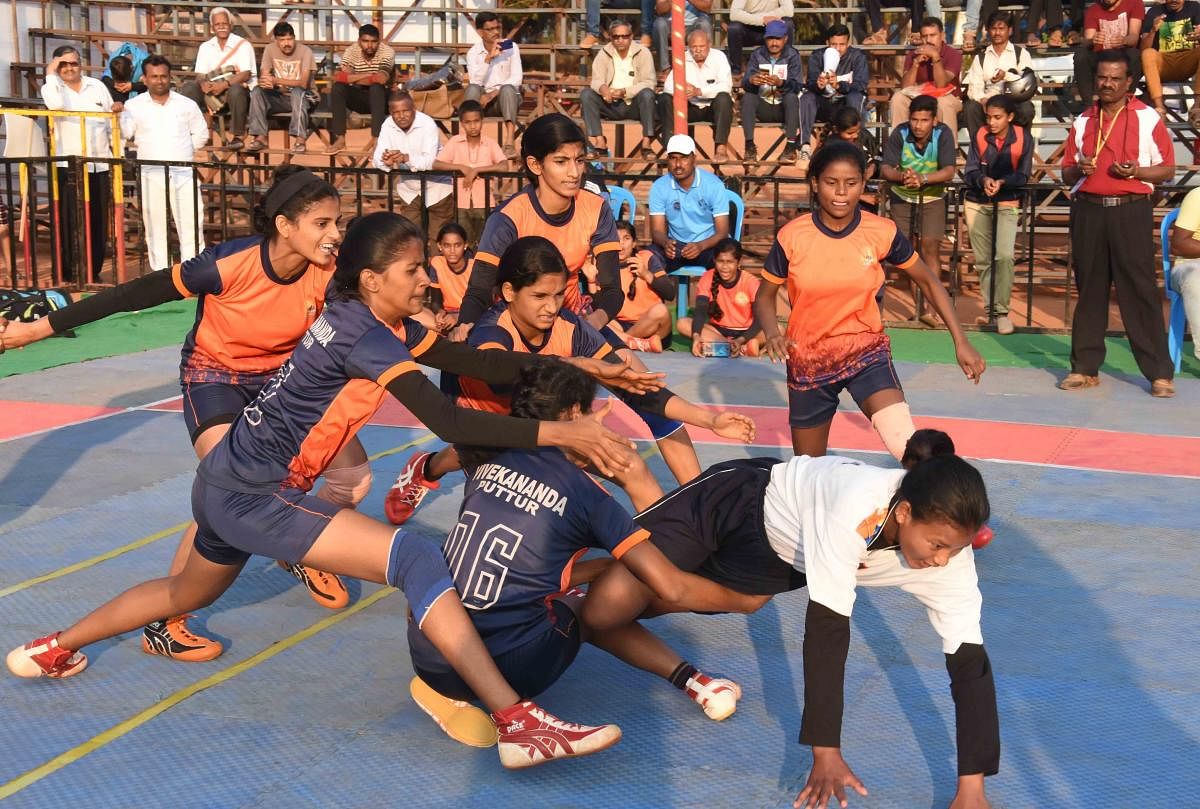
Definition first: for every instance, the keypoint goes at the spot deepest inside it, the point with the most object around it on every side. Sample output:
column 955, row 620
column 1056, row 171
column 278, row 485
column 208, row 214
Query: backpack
column 28, row 305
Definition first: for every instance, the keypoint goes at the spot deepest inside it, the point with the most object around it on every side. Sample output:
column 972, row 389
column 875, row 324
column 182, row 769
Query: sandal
column 1056, row 39
column 878, row 38
column 968, row 41
column 1074, row 381
column 1034, row 41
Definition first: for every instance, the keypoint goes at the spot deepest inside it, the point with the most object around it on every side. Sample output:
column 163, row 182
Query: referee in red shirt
column 1117, row 151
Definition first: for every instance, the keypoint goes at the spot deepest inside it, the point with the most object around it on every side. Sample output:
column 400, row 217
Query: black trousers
column 1116, row 245
column 72, row 228
column 362, row 98
column 719, row 113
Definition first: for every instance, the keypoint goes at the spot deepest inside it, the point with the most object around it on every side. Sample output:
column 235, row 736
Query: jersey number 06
column 485, row 559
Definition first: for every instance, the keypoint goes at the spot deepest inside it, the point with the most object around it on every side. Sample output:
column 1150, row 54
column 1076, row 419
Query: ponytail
column 925, row 444
column 940, row 486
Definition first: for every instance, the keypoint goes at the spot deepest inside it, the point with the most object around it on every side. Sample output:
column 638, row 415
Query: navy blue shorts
column 713, row 527
column 206, row 404
column 233, row 525
column 729, row 333
column 814, row 407
column 660, row 426
column 530, row 668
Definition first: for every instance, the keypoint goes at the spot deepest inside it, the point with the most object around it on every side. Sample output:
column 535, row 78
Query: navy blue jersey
column 526, row 517
column 333, row 383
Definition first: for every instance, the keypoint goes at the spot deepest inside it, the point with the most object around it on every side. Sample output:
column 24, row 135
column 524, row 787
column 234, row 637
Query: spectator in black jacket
column 772, row 85
column 836, row 75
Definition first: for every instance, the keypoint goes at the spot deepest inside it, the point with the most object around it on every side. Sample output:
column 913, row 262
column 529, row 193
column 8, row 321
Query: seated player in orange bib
column 725, row 305
column 449, row 275
column 644, row 321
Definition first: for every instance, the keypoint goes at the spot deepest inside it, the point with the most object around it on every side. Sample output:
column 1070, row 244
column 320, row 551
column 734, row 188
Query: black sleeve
column 460, row 425
column 436, row 301
column 665, row 287
column 609, row 296
column 492, row 367
column 977, row 723
column 148, row 291
column 700, row 314
column 478, row 297
column 654, row 402
column 826, row 644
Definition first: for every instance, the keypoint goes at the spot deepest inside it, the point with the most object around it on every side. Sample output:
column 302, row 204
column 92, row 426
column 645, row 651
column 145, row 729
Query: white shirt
column 504, row 69
column 210, row 54
column 713, row 77
column 93, row 96
column 173, row 130
column 421, row 142
column 821, row 513
column 622, row 72
column 980, row 86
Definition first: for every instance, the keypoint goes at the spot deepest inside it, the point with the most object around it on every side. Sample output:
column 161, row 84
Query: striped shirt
column 353, row 60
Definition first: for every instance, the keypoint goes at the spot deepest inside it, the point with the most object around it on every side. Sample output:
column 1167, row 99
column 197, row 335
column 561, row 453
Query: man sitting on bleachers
column 689, row 211
column 696, row 14
column 932, row 69
column 1108, row 25
column 409, row 141
column 361, row 84
column 494, row 75
column 284, row 83
column 622, row 87
column 837, row 75
column 1170, row 51
column 1001, row 61
column 224, row 75
column 708, row 84
column 748, row 21
column 772, row 87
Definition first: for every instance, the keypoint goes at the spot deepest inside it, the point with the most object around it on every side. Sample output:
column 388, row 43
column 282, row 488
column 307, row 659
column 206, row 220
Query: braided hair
column 726, row 245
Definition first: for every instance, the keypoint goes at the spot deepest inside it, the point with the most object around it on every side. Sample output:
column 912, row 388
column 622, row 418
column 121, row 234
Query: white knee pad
column 346, row 486
column 895, row 426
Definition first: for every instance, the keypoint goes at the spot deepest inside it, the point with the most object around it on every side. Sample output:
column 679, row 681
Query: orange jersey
column 570, row 336
column 249, row 320
column 586, row 227
column 643, row 296
column 736, row 302
column 452, row 284
column 832, row 278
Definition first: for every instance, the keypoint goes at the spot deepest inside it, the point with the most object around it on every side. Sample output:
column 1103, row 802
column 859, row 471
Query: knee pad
column 346, row 486
column 417, row 568
column 895, row 426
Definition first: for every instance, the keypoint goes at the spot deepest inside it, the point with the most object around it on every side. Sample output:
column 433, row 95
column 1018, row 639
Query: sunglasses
column 621, row 36
column 68, row 64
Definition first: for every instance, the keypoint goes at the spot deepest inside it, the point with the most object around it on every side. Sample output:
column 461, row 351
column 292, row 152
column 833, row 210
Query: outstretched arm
column 976, row 720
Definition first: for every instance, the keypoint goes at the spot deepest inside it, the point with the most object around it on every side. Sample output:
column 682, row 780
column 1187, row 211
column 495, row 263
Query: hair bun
column 925, row 444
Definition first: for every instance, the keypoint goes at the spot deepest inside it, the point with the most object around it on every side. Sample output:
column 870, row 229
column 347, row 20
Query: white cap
column 681, row 144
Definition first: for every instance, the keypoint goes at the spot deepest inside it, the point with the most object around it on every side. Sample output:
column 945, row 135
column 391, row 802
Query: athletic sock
column 682, row 674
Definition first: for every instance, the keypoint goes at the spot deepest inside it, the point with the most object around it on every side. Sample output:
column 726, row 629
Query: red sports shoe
column 409, row 489
column 717, row 696
column 651, row 345
column 45, row 658
column 982, row 537
column 530, row 736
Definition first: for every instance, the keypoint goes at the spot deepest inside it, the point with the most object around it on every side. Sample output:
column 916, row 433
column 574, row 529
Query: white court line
column 101, row 417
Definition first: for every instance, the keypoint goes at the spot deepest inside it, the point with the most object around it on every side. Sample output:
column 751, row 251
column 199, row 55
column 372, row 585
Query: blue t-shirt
column 526, row 516
column 689, row 211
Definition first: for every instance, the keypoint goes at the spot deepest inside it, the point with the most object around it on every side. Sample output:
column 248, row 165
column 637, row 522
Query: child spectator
column 449, row 274
column 725, row 305
column 998, row 164
column 644, row 320
column 119, row 80
column 471, row 153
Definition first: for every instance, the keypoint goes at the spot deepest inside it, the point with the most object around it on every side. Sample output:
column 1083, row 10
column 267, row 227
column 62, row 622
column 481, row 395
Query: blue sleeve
column 655, row 264
column 381, row 356
column 498, row 233
column 431, row 271
column 862, row 75
column 752, row 64
column 660, row 196
column 973, row 171
column 606, row 228
column 416, row 337
column 901, row 251
column 200, row 275
column 815, row 63
column 610, row 525
column 893, row 148
column 776, row 263
column 586, row 341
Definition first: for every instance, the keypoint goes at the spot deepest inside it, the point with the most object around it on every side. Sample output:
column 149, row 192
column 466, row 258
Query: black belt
column 1112, row 202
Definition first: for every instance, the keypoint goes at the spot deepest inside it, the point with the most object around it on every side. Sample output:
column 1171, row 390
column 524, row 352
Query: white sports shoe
column 718, row 697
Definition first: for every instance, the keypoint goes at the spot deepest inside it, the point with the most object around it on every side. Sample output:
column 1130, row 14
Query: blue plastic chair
column 1177, row 319
column 619, row 198
column 691, row 271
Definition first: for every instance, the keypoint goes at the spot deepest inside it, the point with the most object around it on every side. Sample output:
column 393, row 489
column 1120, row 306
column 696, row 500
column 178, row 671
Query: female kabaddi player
column 762, row 526
column 830, row 260
column 449, row 274
column 725, row 305
column 531, row 319
column 251, row 491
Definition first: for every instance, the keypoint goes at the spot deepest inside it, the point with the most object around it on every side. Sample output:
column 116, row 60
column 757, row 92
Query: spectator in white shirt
column 709, row 90
column 409, row 141
column 165, row 125
column 494, row 75
column 995, row 65
column 225, row 75
column 66, row 88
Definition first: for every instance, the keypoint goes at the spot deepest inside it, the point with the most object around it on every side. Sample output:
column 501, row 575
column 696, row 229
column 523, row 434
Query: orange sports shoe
column 325, row 588
column 172, row 638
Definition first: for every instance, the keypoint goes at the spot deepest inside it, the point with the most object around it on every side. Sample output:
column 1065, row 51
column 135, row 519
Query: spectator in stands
column 1171, row 52
column 622, row 88
column 66, row 88
column 999, row 161
column 1114, row 165
column 224, row 75
column 725, row 305
column 772, row 85
column 593, row 19
column 1045, row 17
column 748, row 21
column 409, row 141
column 644, row 320
column 689, row 211
column 837, row 75
column 119, row 81
column 361, row 84
column 1185, row 272
column 472, row 153
column 285, row 84
column 918, row 160
column 919, row 11
column 1004, row 60
column 930, row 69
column 494, row 73
column 1108, row 25
column 708, row 85
column 165, row 125
column 449, row 273
column 696, row 15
